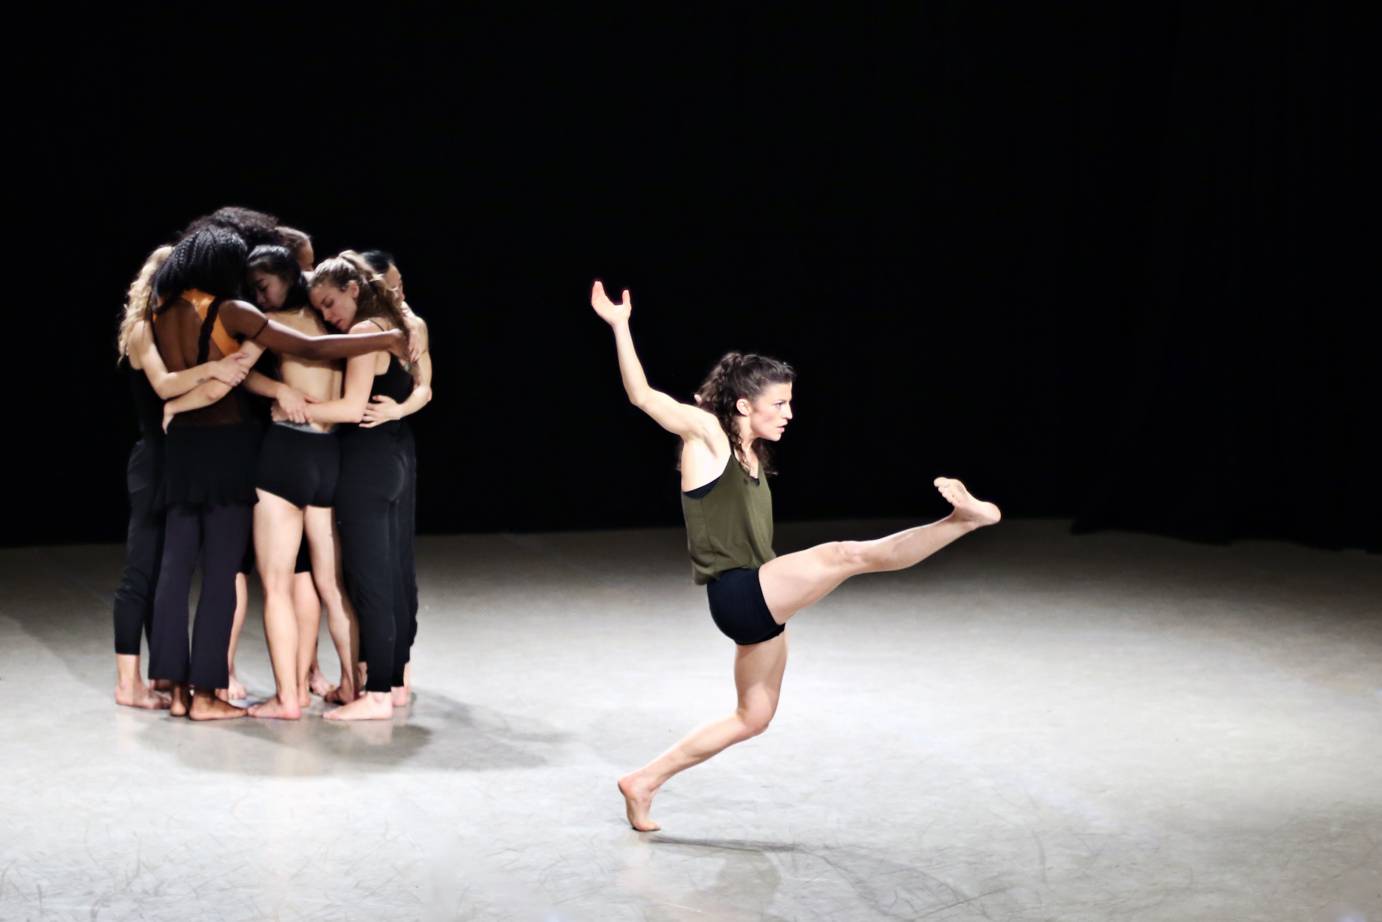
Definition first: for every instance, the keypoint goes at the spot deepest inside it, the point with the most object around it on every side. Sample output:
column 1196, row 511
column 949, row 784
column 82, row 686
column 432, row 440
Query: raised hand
column 610, row 312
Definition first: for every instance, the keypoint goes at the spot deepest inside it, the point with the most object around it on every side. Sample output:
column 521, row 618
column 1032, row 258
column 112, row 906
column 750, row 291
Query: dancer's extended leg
column 795, row 581
column 758, row 673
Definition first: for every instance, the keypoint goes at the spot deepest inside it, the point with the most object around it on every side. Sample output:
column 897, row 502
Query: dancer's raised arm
column 683, row 419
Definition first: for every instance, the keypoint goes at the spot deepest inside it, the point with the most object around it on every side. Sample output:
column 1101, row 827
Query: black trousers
column 368, row 516
column 407, row 535
column 134, row 597
column 215, row 537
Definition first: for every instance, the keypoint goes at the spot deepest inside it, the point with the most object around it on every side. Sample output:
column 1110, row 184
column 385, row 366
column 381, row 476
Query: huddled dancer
column 207, row 470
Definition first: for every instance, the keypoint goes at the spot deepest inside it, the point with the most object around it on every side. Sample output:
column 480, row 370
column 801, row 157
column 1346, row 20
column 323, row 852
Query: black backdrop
column 1101, row 263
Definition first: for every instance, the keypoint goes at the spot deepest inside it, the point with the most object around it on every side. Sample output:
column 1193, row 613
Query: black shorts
column 299, row 465
column 738, row 608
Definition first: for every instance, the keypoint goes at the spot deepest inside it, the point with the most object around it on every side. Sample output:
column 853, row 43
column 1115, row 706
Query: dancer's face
column 768, row 413
column 394, row 279
column 336, row 305
column 270, row 291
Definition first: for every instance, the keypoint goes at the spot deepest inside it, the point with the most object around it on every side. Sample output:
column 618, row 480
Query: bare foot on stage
column 236, row 691
column 967, row 508
column 181, row 697
column 369, row 706
column 304, row 698
column 339, row 694
column 141, row 696
column 402, row 696
column 275, row 709
column 209, row 707
column 638, row 802
column 317, row 683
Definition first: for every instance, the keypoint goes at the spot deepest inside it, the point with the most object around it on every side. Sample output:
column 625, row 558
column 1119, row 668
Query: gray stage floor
column 1030, row 726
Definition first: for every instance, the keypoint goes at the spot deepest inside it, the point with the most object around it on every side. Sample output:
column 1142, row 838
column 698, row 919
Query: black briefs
column 738, row 607
column 299, row 465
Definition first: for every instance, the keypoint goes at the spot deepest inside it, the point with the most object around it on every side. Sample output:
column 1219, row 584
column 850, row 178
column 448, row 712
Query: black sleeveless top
column 148, row 406
column 396, row 382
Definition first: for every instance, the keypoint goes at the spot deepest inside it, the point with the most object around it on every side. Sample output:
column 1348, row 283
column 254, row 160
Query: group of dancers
column 192, row 341
column 313, row 482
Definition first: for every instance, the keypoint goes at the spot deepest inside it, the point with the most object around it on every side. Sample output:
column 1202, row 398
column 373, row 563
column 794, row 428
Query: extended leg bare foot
column 638, row 801
column 967, row 508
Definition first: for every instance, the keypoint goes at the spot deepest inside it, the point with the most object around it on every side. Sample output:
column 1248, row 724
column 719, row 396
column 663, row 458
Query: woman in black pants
column 150, row 384
column 383, row 410
column 211, row 455
column 373, row 478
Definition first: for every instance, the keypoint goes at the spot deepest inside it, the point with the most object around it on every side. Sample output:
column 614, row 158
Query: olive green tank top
column 730, row 525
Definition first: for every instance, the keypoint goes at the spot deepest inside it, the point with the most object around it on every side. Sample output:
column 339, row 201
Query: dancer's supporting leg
column 277, row 531
column 325, row 548
column 758, row 670
column 134, row 598
column 791, row 583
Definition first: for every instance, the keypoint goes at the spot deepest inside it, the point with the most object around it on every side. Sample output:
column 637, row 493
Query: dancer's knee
column 848, row 556
column 754, row 719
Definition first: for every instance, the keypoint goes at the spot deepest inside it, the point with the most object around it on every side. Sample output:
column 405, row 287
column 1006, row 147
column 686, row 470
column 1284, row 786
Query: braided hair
column 738, row 375
column 211, row 259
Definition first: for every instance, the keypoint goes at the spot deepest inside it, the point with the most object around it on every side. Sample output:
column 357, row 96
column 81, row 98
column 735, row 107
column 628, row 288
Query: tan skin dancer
column 292, row 613
column 789, row 583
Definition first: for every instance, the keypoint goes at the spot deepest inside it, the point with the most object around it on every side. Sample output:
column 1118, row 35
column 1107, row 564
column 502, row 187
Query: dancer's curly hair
column 280, row 261
column 376, row 299
column 139, row 299
column 253, row 227
column 739, row 375
column 212, row 259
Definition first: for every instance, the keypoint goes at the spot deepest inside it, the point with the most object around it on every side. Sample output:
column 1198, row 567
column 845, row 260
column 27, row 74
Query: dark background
column 1102, row 263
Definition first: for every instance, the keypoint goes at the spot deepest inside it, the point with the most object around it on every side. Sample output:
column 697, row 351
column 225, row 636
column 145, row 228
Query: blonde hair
column 139, row 299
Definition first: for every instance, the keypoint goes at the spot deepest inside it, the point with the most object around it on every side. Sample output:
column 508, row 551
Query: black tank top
column 148, row 406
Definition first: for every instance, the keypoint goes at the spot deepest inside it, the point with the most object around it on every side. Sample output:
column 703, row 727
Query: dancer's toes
column 275, row 709
column 967, row 508
column 236, row 691
column 143, row 697
column 638, row 803
column 369, row 706
column 209, row 707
